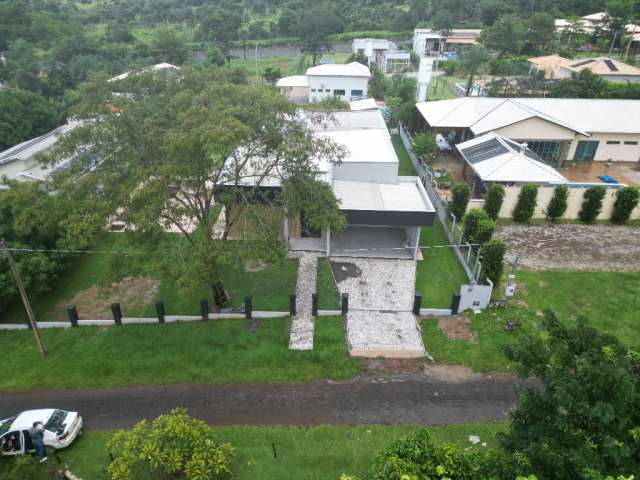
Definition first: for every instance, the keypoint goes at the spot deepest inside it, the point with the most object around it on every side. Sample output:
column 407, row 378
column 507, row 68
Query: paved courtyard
column 380, row 321
column 573, row 246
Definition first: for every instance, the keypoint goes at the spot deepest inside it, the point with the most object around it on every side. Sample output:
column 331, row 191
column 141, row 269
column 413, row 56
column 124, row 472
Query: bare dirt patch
column 133, row 293
column 456, row 327
column 254, row 266
column 393, row 366
column 450, row 373
column 573, row 246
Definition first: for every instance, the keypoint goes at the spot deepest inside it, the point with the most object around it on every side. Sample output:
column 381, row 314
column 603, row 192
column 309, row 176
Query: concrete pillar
column 417, row 245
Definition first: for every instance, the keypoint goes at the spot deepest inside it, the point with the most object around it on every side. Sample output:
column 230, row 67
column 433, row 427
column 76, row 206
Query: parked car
column 60, row 429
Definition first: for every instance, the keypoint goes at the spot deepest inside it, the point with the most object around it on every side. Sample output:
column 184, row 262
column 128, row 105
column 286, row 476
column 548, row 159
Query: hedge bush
column 478, row 227
column 492, row 260
column 493, row 200
column 526, row 205
column 592, row 204
column 460, row 199
column 627, row 199
column 558, row 204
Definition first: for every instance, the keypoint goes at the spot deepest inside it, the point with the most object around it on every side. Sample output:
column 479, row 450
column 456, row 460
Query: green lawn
column 609, row 300
column 440, row 88
column 308, row 453
column 406, row 167
column 439, row 275
column 269, row 287
column 328, row 295
column 213, row 352
column 285, row 64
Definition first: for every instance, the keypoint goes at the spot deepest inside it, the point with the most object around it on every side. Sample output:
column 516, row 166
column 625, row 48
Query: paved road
column 412, row 399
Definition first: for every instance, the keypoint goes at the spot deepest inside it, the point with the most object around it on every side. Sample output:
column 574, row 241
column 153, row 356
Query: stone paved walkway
column 301, row 336
column 380, row 321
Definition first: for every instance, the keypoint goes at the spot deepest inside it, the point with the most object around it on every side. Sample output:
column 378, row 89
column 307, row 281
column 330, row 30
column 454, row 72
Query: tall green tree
column 471, row 62
column 313, row 30
column 173, row 152
column 583, row 420
column 506, row 35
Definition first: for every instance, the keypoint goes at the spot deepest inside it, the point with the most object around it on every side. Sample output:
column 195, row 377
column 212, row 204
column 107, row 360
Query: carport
column 383, row 219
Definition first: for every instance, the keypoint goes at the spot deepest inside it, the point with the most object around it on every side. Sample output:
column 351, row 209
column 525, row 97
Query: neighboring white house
column 383, row 53
column 20, row 162
column 556, row 67
column 432, row 43
column 556, row 129
column 384, row 211
column 346, row 81
column 295, row 88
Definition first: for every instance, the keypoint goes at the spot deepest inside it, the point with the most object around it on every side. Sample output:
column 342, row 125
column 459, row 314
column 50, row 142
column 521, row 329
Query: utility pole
column 25, row 299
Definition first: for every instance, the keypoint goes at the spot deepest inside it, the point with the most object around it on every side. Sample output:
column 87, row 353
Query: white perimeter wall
column 544, row 197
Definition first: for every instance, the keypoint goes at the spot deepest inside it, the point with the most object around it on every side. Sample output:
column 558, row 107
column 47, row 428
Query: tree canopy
column 170, row 153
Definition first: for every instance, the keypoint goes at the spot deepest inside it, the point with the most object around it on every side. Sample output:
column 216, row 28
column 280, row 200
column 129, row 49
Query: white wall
column 544, row 197
column 616, row 153
column 383, row 172
column 325, row 83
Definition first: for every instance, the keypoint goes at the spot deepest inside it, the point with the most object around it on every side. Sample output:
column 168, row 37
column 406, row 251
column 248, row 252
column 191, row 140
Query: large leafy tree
column 168, row 154
column 313, row 30
column 583, row 420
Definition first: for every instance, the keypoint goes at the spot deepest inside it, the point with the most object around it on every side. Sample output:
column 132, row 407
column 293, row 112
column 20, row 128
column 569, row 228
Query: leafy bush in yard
column 592, row 204
column 493, row 200
column 459, row 199
column 558, row 204
column 478, row 227
column 626, row 200
column 416, row 457
column 174, row 445
column 492, row 260
column 526, row 205
column 583, row 421
column 424, row 145
column 24, row 467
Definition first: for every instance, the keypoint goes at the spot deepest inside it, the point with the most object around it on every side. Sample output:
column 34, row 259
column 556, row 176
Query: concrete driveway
column 380, row 322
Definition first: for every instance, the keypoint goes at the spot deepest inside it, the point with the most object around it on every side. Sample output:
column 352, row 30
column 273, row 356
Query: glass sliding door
column 586, row 150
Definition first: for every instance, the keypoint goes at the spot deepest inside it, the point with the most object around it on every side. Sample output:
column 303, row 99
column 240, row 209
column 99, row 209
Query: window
column 631, row 143
column 328, row 90
column 338, row 92
column 356, row 93
column 613, row 142
column 549, row 152
column 313, row 89
column 586, row 150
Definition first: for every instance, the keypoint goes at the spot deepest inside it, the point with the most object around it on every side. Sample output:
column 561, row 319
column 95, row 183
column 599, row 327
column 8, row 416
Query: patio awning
column 495, row 158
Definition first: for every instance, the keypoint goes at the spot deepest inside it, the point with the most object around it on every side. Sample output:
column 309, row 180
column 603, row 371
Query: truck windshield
column 5, row 425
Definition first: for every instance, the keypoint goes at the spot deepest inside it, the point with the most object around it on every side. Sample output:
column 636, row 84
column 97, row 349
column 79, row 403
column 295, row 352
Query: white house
column 384, row 210
column 556, row 129
column 383, row 53
column 295, row 88
column 20, row 162
column 346, row 81
column 432, row 43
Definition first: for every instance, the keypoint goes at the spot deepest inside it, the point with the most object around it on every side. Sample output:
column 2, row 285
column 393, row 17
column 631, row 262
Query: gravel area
column 380, row 322
column 302, row 326
column 573, row 246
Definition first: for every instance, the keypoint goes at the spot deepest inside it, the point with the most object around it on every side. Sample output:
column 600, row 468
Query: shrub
column 472, row 221
column 493, row 200
column 526, row 203
column 626, row 200
column 459, row 199
column 424, row 145
column 174, row 445
column 492, row 260
column 592, row 204
column 558, row 204
column 484, row 231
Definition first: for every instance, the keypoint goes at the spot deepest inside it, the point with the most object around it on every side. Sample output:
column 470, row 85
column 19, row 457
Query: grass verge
column 328, row 295
column 608, row 300
column 220, row 351
column 439, row 275
column 310, row 452
column 406, row 167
